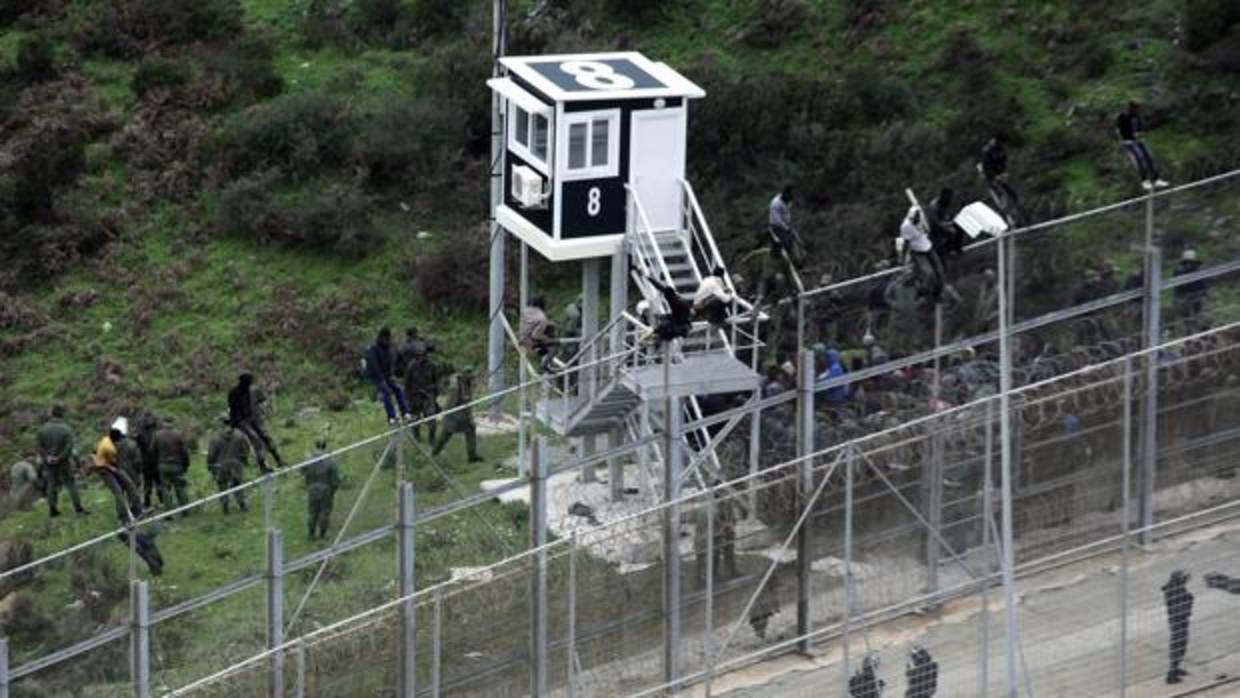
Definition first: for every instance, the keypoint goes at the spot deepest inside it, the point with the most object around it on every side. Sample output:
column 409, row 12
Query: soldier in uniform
column 144, row 433
column 24, row 485
column 459, row 421
column 322, row 478
column 1179, row 602
column 421, row 378
column 172, row 457
column 131, row 457
column 56, row 457
column 729, row 510
column 228, row 454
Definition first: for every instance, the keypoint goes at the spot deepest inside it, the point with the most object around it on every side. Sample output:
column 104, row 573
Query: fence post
column 538, row 575
column 988, row 518
column 139, row 638
column 405, row 557
column 275, row 610
column 399, row 436
column 437, row 644
column 4, row 667
column 709, row 619
column 1149, row 441
column 299, row 688
column 932, row 477
column 805, row 486
column 1126, row 514
column 848, row 556
column 572, row 615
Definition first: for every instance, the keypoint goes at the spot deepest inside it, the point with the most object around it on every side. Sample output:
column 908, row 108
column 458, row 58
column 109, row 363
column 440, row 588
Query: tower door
column 657, row 164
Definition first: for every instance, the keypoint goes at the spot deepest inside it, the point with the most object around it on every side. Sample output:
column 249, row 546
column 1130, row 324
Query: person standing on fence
column 1129, row 126
column 322, row 478
column 1179, row 602
column 242, row 416
column 228, row 454
column 921, row 675
column 782, row 235
column 926, row 262
column 460, row 416
column 172, row 457
column 380, row 361
column 56, row 458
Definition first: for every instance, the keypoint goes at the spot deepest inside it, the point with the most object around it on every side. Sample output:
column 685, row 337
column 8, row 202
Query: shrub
column 159, row 73
column 417, row 142
column 335, row 218
column 130, row 28
column 453, row 276
column 300, row 133
column 245, row 69
column 1207, row 21
column 36, row 60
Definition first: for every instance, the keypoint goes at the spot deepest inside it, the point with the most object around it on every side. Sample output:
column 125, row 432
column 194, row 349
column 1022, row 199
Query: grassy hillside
column 259, row 184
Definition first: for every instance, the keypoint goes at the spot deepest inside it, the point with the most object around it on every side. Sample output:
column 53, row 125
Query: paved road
column 1070, row 632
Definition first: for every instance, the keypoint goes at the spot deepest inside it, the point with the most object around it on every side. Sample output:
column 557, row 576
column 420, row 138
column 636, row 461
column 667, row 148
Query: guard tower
column 593, row 168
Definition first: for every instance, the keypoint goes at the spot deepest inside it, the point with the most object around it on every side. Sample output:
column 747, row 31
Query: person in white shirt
column 713, row 298
column 915, row 233
column 779, row 224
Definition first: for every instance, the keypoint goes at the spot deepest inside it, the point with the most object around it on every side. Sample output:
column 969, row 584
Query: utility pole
column 495, row 339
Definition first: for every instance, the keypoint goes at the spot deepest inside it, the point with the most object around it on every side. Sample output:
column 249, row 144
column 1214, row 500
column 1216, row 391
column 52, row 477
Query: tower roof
column 598, row 76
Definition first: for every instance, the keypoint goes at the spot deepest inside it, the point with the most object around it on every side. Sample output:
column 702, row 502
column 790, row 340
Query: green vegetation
column 194, row 187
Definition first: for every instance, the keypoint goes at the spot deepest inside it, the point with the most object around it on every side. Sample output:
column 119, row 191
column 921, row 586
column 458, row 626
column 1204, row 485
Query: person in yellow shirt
column 125, row 494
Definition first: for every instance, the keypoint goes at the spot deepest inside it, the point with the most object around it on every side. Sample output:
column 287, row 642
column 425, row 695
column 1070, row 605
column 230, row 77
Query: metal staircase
column 601, row 387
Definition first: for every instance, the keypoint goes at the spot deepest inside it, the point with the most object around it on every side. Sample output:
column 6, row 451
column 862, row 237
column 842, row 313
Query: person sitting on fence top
column 993, row 161
column 779, row 224
column 713, row 298
column 914, row 233
column 944, row 235
column 679, row 318
column 380, row 362
column 1129, row 125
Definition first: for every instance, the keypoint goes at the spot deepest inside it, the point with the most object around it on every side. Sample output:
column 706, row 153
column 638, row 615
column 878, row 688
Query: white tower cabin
column 594, row 168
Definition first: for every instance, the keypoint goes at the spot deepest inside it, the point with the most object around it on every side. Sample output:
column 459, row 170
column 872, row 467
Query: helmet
column 1189, row 255
column 122, row 425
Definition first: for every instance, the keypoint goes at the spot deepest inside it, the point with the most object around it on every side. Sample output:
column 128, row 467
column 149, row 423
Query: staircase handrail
column 644, row 230
column 699, row 228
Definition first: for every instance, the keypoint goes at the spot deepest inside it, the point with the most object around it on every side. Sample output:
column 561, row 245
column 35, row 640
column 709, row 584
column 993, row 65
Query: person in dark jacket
column 1190, row 298
column 944, row 234
column 380, row 360
column 1128, row 125
column 241, row 415
column 56, row 461
column 172, row 456
column 1179, row 603
column 679, row 318
column 921, row 675
column 865, row 683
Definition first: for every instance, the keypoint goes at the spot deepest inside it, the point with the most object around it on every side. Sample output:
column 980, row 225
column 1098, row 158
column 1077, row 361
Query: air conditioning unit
column 527, row 187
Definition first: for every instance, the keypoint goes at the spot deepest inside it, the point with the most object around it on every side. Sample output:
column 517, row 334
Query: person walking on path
column 228, row 454
column 1179, row 603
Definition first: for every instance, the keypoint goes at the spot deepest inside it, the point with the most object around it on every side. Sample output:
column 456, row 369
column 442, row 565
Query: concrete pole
column 709, row 618
column 615, row 465
column 523, row 294
column 1008, row 560
column 755, row 421
column 399, row 438
column 643, row 454
column 618, row 302
column 4, row 667
column 848, row 557
column 299, row 688
column 671, row 526
column 989, row 566
column 406, row 551
column 140, row 639
column 805, row 488
column 495, row 337
column 437, row 645
column 275, row 610
column 538, row 576
column 1149, row 417
column 572, row 615
column 932, row 474
column 587, row 386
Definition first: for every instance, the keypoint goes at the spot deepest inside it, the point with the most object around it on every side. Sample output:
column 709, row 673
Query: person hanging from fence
column 713, row 299
column 1190, row 298
column 1179, row 603
column 460, row 415
column 928, row 268
column 379, row 364
column 992, row 164
column 781, row 235
column 322, row 479
column 56, row 459
column 537, row 334
column 1129, row 127
column 921, row 675
column 228, row 454
column 678, row 319
column 945, row 236
column 865, row 683
column 729, row 509
column 241, row 415
column 106, row 465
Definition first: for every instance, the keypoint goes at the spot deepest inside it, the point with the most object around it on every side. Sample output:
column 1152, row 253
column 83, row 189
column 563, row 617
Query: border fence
column 1106, row 403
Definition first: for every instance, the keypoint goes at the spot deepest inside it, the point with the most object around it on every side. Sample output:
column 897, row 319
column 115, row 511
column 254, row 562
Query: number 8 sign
column 596, row 75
